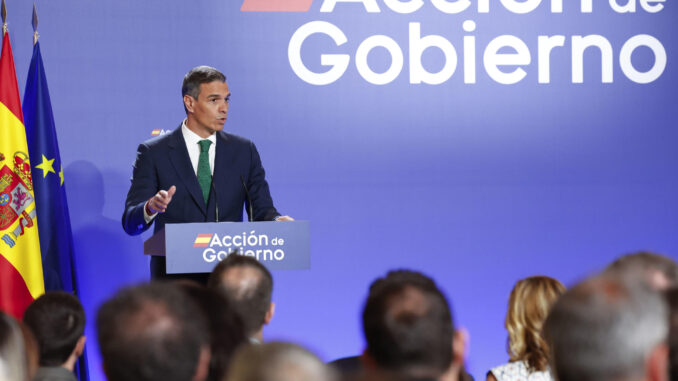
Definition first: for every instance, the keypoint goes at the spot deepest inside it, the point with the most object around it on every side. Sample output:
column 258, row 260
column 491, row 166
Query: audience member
column 660, row 271
column 529, row 304
column 613, row 327
column 57, row 321
column 153, row 332
column 409, row 329
column 609, row 328
column 249, row 286
column 225, row 326
column 13, row 362
column 672, row 297
column 278, row 361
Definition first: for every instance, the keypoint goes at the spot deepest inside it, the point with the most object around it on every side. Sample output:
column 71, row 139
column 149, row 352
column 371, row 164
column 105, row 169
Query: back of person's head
column 529, row 304
column 248, row 285
column 13, row 362
column 153, row 332
column 57, row 320
column 608, row 328
column 672, row 298
column 659, row 270
column 277, row 361
column 408, row 325
column 225, row 326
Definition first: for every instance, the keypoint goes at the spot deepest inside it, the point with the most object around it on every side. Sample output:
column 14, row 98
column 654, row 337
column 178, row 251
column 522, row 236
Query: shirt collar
column 192, row 138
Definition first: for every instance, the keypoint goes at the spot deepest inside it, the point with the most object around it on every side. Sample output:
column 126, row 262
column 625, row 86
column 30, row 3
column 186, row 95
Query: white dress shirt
column 193, row 147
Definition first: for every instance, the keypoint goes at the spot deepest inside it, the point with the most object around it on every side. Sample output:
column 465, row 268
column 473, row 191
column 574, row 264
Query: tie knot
column 205, row 145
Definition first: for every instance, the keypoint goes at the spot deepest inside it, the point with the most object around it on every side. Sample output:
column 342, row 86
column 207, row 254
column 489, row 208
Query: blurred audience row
column 620, row 325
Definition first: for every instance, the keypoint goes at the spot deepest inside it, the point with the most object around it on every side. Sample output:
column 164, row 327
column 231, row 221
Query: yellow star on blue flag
column 47, row 166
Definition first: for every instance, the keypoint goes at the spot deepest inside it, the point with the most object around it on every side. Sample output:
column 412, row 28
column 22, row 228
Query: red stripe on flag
column 9, row 90
column 276, row 5
column 14, row 295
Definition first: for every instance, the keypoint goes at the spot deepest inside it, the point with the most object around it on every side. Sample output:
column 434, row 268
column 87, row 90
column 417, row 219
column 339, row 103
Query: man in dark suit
column 197, row 170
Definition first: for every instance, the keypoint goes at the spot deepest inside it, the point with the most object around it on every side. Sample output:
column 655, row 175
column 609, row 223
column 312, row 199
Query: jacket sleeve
column 262, row 203
column 144, row 186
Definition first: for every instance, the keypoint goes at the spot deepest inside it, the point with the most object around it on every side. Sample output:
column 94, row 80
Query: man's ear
column 367, row 360
column 269, row 313
column 657, row 364
column 103, row 367
column 460, row 342
column 189, row 102
column 80, row 346
column 202, row 369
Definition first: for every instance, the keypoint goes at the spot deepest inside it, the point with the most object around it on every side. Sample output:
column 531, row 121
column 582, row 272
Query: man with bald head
column 249, row 286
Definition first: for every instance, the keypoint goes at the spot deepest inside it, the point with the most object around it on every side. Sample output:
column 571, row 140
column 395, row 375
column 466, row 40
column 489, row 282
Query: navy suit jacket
column 163, row 161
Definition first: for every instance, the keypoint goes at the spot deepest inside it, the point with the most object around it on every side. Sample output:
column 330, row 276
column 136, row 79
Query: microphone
column 250, row 212
column 216, row 201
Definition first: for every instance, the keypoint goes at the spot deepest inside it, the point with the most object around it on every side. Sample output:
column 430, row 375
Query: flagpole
column 4, row 18
column 35, row 25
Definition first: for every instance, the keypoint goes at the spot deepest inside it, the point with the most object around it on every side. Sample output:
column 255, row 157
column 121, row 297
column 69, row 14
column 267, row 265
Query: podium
column 197, row 247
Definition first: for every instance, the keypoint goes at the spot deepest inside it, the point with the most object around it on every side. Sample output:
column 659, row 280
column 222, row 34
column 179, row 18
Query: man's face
column 207, row 114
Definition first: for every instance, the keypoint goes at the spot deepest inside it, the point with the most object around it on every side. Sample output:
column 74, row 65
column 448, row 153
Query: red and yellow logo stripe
column 202, row 240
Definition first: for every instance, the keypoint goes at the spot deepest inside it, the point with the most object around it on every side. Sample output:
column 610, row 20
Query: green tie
column 204, row 172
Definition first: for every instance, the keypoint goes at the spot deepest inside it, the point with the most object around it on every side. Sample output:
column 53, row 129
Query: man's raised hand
column 158, row 203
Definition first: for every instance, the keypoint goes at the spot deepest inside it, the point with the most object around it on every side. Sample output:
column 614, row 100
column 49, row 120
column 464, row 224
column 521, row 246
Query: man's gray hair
column 659, row 270
column 604, row 328
column 196, row 77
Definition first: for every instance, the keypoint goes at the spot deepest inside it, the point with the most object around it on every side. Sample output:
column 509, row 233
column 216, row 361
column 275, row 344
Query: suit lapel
column 182, row 164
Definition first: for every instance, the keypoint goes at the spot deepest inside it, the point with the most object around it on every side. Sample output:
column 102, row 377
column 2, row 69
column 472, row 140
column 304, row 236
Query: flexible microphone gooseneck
column 250, row 211
column 216, row 201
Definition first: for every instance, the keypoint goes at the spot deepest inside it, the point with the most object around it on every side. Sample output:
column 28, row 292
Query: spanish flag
column 20, row 262
column 203, row 240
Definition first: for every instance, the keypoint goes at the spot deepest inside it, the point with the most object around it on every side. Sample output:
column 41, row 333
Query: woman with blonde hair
column 529, row 304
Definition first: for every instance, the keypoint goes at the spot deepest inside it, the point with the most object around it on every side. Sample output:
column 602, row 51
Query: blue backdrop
column 476, row 183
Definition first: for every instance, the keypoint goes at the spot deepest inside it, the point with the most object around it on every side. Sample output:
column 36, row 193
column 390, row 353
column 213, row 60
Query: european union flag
column 54, row 225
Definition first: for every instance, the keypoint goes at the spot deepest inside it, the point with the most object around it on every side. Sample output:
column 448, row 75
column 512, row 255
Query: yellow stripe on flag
column 24, row 254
